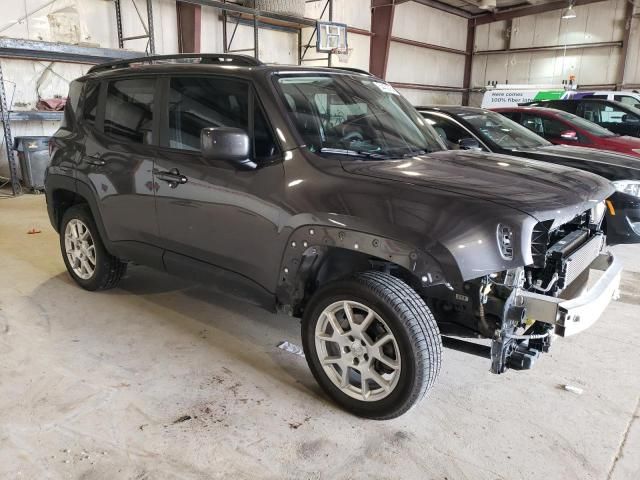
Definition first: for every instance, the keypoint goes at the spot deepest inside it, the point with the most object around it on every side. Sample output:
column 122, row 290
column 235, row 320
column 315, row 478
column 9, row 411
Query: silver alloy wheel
column 80, row 249
column 357, row 351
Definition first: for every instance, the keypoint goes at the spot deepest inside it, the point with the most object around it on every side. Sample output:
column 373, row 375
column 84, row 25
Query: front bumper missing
column 574, row 315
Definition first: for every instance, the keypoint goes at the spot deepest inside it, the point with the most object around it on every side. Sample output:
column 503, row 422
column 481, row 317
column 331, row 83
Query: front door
column 208, row 210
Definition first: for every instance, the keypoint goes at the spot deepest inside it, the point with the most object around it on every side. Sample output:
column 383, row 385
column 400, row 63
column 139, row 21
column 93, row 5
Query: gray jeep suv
column 323, row 194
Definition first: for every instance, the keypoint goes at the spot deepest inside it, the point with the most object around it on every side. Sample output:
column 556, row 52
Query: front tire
column 372, row 344
column 85, row 256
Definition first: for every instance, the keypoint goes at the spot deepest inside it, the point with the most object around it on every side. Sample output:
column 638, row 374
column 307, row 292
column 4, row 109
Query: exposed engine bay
column 521, row 309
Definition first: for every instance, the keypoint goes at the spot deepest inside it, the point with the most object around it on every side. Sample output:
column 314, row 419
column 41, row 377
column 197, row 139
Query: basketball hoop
column 344, row 54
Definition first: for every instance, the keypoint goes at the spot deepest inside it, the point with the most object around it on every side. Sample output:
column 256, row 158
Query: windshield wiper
column 354, row 153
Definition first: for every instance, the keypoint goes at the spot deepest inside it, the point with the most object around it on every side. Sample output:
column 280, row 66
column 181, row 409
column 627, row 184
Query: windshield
column 588, row 126
column 505, row 133
column 355, row 116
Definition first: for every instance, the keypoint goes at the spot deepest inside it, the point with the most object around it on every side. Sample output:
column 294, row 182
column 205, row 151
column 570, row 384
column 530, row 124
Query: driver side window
column 545, row 127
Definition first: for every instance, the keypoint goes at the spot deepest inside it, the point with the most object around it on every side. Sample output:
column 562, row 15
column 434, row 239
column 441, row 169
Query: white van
column 512, row 95
column 631, row 98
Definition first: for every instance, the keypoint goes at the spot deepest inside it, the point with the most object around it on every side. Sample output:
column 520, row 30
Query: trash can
column 33, row 155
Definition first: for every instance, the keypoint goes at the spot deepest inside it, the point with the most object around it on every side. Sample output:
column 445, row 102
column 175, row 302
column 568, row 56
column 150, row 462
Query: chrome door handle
column 172, row 177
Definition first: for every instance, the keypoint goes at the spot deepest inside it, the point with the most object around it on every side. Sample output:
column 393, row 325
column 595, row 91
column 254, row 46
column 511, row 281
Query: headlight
column 597, row 213
column 631, row 187
column 636, row 150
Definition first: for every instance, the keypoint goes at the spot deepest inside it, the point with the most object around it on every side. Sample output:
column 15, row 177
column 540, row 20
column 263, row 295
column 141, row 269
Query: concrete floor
column 93, row 385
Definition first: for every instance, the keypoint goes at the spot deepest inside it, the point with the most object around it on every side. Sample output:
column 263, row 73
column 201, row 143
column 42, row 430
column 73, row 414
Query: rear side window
column 128, row 112
column 71, row 107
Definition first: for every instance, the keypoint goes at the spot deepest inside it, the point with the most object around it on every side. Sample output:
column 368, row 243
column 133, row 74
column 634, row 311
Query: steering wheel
column 353, row 136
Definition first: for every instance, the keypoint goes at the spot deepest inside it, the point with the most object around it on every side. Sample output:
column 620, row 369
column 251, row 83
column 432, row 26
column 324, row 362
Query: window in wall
column 128, row 112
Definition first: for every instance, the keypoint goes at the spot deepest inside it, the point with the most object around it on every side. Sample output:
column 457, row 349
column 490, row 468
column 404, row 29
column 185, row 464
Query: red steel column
column 382, row 12
column 468, row 61
column 189, row 27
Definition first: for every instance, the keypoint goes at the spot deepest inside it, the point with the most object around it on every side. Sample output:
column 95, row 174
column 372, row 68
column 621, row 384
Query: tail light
column 51, row 146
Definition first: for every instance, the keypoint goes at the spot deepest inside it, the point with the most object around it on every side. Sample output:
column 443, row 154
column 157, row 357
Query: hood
column 539, row 189
column 603, row 157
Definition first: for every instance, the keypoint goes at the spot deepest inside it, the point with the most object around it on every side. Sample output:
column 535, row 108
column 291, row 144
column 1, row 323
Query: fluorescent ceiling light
column 569, row 13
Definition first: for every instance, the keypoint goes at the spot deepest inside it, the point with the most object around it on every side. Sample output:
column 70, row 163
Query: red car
column 562, row 128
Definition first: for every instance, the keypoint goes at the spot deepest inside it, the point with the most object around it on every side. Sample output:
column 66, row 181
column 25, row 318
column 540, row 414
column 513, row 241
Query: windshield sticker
column 386, row 88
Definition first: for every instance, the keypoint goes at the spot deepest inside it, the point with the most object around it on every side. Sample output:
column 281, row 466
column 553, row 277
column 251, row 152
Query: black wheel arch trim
column 55, row 182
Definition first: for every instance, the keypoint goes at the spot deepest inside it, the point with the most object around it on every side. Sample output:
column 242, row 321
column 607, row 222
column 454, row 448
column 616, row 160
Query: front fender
column 309, row 243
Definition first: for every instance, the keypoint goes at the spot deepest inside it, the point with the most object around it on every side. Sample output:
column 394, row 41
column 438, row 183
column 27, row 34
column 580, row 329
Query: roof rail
column 355, row 70
column 205, row 58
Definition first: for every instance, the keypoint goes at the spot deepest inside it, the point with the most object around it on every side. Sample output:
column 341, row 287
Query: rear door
column 217, row 215
column 121, row 124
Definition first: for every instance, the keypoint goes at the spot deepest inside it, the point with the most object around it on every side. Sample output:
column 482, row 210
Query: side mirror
column 469, row 144
column 229, row 144
column 569, row 135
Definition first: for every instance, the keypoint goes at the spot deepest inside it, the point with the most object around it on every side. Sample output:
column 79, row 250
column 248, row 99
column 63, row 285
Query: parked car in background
column 323, row 193
column 631, row 98
column 563, row 128
column 615, row 116
column 469, row 128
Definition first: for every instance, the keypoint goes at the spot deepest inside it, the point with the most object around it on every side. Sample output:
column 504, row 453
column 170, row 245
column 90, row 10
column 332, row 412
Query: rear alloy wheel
column 372, row 344
column 80, row 249
column 87, row 260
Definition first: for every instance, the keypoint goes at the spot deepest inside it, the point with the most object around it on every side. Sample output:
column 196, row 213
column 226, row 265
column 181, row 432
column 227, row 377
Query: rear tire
column 372, row 344
column 85, row 256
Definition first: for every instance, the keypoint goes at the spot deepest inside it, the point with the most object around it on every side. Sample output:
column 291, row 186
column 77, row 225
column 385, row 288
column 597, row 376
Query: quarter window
column 90, row 108
column 128, row 112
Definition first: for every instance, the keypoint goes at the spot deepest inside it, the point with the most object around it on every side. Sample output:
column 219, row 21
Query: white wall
column 632, row 70
column 417, row 65
column 595, row 23
column 93, row 22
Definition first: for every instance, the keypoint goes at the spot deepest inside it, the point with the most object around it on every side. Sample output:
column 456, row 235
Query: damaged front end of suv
column 562, row 290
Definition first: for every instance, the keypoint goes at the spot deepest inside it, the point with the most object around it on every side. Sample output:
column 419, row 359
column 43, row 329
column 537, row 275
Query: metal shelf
column 286, row 20
column 60, row 52
column 38, row 115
